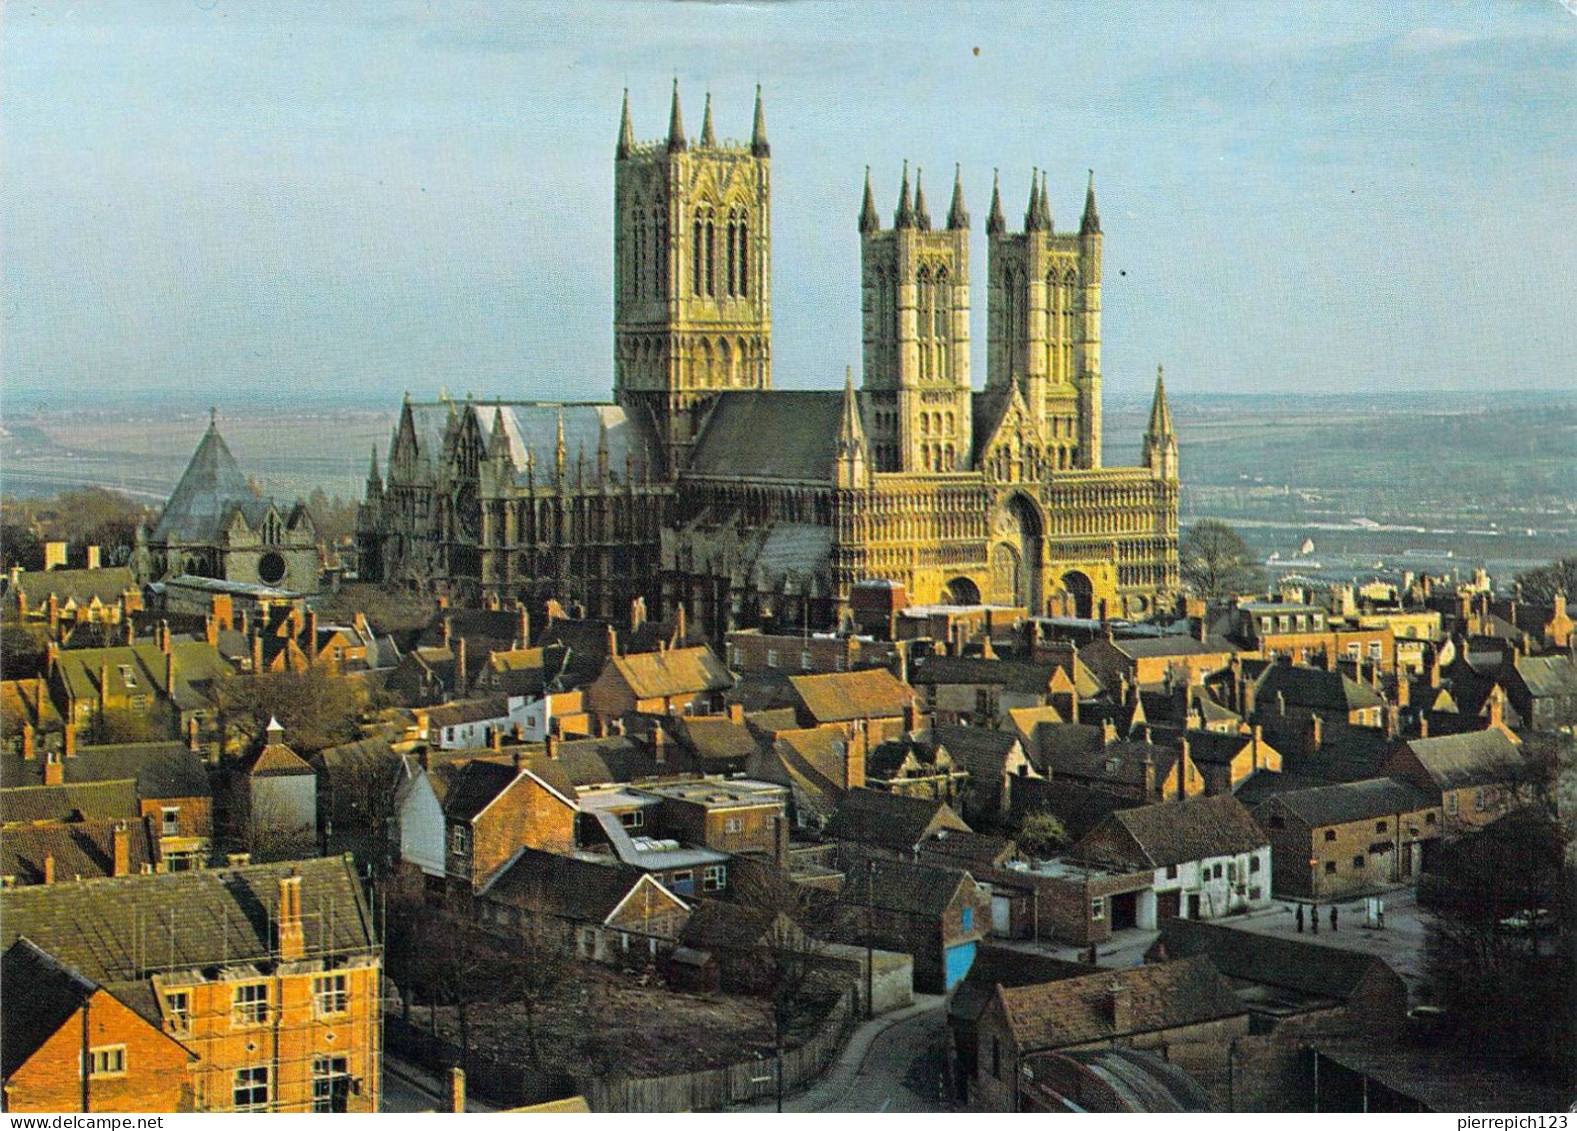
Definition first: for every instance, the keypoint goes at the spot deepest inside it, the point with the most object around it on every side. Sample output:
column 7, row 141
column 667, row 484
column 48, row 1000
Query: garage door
column 958, row 961
column 1001, row 915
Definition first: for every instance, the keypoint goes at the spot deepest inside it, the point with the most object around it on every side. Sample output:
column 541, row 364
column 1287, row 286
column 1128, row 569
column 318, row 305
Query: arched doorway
column 961, row 591
column 1081, row 592
column 1015, row 555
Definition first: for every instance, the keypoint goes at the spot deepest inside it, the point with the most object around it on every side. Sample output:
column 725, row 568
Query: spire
column 851, row 432
column 558, row 449
column 1160, row 415
column 758, row 133
column 676, row 142
column 1032, row 213
column 922, row 214
column 498, row 442
column 904, row 217
column 1045, row 207
column 602, row 449
column 626, row 132
column 957, row 218
column 1091, row 222
column 869, row 220
column 373, row 478
column 996, row 223
column 708, row 138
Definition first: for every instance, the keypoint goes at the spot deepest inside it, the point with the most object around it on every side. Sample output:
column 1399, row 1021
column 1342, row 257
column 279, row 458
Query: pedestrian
column 1300, row 918
column 1314, row 917
column 1379, row 917
column 1333, row 917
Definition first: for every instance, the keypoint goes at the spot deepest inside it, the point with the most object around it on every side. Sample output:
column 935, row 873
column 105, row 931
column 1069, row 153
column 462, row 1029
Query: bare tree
column 1216, row 563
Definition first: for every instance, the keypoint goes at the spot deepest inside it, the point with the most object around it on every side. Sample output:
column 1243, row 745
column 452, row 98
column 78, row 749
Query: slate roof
column 1548, row 676
column 585, row 426
column 83, row 849
column 1477, row 757
column 1177, row 832
column 604, row 761
column 98, row 800
column 996, row 965
column 569, row 887
column 276, row 760
column 967, row 849
column 1352, row 801
column 770, row 435
column 1079, row 808
column 722, row 927
column 1114, row 763
column 204, row 918
column 1023, row 676
column 468, row 711
column 1314, row 689
column 820, row 750
column 838, row 697
column 1075, row 1011
column 1065, row 744
column 891, row 820
column 980, row 750
column 474, row 785
column 1307, row 968
column 912, row 889
column 41, row 994
column 675, row 671
column 79, row 585
column 160, row 769
column 1147, row 647
column 210, row 489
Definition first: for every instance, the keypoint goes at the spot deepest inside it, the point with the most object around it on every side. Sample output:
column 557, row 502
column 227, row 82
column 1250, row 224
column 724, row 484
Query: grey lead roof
column 210, row 489
column 771, row 435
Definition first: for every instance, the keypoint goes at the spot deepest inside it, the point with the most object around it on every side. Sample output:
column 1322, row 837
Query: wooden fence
column 716, row 1088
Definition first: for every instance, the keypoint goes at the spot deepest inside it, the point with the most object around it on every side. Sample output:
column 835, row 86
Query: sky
column 267, row 204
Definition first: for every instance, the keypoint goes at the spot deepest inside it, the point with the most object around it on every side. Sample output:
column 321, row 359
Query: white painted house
column 1208, row 855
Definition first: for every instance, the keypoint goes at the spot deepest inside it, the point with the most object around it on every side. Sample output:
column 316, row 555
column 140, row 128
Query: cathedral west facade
column 700, row 484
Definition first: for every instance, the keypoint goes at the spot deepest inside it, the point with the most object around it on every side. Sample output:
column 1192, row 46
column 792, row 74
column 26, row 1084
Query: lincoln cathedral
column 699, row 484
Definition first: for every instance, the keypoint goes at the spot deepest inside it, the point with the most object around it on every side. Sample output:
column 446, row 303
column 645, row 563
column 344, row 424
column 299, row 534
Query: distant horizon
column 315, row 203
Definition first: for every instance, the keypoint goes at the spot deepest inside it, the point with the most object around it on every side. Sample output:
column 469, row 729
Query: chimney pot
column 122, row 841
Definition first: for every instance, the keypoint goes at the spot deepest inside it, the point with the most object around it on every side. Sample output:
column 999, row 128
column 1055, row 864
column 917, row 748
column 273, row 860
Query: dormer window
column 127, row 675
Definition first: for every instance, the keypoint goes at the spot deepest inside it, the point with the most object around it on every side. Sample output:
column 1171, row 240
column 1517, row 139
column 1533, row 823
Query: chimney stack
column 257, row 652
column 1184, row 760
column 459, row 667
column 447, row 629
column 122, row 841
column 1497, row 707
column 911, row 716
column 169, row 672
column 524, row 626
column 291, row 942
column 550, row 745
column 659, row 745
column 1120, row 1007
column 29, row 750
column 49, row 867
column 1423, row 724
column 191, row 735
column 312, row 635
column 164, row 637
column 69, row 742
column 736, row 712
column 613, row 642
column 1316, row 733
column 637, row 613
column 455, row 1099
column 94, row 558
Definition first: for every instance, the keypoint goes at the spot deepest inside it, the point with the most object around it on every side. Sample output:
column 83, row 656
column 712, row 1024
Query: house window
column 1277, row 821
column 966, row 919
column 249, row 1004
column 714, row 877
column 772, row 657
column 1254, row 893
column 733, row 824
column 330, row 1083
column 1379, row 826
column 1429, row 818
column 1451, row 803
column 170, row 820
column 457, row 838
column 330, row 995
column 1098, row 908
column 684, row 883
column 127, row 676
column 178, row 1008
column 1330, row 834
column 1330, row 867
column 1352, row 651
column 1253, row 864
column 1357, row 861
column 804, row 660
column 634, row 819
column 1374, row 650
column 1478, row 801
column 250, row 1092
column 736, row 656
column 107, row 1060
column 1171, row 871
column 1216, row 872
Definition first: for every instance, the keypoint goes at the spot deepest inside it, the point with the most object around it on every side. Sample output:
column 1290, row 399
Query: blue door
column 956, row 962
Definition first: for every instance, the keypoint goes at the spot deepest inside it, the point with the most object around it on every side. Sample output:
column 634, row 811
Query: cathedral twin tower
column 693, row 282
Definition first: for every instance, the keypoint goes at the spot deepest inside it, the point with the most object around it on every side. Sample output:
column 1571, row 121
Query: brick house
column 605, row 911
column 80, row 850
column 994, row 761
column 935, row 914
column 1095, row 758
column 874, row 700
column 889, row 823
column 264, row 984
column 994, row 965
column 981, row 690
column 730, row 946
column 273, row 798
column 172, row 787
column 1282, row 980
column 736, row 815
column 674, row 681
column 1337, row 841
column 1543, row 689
column 1207, row 855
column 1480, row 775
column 56, row 1020
column 492, row 809
column 1150, row 661
column 1185, row 1008
column 819, row 765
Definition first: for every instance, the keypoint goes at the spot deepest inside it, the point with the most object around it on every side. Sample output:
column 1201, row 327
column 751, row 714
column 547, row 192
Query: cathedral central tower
column 692, row 271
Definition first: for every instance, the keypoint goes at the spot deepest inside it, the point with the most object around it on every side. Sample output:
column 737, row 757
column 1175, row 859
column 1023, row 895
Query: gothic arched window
column 697, row 270
column 744, row 255
column 659, row 252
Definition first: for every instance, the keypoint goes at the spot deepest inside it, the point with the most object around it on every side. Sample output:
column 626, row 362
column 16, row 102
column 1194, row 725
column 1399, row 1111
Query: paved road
column 894, row 1063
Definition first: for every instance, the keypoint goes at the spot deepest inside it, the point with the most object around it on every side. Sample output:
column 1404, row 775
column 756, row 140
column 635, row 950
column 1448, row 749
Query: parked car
column 1527, row 922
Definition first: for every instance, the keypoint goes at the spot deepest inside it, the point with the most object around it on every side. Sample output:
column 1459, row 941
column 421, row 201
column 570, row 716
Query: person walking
column 1333, row 918
column 1299, row 918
